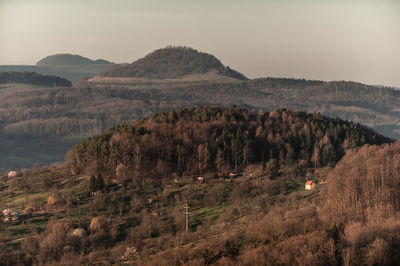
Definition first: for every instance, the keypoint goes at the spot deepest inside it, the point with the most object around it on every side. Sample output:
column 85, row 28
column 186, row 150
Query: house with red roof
column 310, row 185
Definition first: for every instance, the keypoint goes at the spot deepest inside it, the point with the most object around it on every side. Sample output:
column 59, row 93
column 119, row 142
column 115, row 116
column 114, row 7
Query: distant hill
column 32, row 78
column 68, row 66
column 172, row 62
column 69, row 59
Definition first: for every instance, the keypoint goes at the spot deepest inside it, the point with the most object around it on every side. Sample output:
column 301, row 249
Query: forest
column 121, row 197
column 33, row 78
column 205, row 140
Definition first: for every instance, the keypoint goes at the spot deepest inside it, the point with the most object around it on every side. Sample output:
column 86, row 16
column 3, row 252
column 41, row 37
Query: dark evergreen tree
column 100, row 182
column 92, row 185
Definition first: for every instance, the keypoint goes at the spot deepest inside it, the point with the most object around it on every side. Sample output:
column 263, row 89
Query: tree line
column 33, row 78
column 188, row 142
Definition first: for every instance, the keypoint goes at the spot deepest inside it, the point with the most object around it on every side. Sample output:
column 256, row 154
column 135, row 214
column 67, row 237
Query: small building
column 310, row 185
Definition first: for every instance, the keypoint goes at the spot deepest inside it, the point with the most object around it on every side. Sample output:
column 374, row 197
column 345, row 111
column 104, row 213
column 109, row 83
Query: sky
column 355, row 40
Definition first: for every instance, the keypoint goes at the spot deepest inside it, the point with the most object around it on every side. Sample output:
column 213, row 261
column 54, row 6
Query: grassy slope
column 244, row 201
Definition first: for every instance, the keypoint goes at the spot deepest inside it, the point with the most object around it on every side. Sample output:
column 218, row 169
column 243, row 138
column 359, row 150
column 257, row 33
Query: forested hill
column 172, row 62
column 205, row 140
column 68, row 59
column 32, row 78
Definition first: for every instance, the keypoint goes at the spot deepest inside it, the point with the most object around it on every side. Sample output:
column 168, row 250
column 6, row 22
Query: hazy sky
column 314, row 39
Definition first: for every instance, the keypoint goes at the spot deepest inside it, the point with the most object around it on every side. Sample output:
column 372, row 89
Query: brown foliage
column 57, row 241
column 373, row 243
column 96, row 224
column 364, row 185
column 310, row 249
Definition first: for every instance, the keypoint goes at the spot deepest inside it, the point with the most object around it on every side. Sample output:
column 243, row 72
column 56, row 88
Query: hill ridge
column 69, row 59
column 172, row 62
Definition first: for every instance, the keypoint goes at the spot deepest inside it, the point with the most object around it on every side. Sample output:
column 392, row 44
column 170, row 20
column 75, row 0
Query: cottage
column 12, row 174
column 310, row 185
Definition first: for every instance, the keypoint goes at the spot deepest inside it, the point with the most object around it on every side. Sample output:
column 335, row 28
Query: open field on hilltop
column 211, row 76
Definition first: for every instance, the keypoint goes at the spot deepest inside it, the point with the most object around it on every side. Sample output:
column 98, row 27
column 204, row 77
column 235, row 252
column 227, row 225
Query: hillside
column 261, row 214
column 205, row 140
column 362, row 196
column 68, row 59
column 172, row 62
column 33, row 79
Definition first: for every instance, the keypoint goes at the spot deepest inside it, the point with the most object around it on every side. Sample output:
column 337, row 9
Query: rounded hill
column 173, row 62
column 68, row 59
column 207, row 140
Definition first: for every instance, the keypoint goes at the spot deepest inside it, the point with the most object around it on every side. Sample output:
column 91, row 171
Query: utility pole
column 187, row 216
column 77, row 203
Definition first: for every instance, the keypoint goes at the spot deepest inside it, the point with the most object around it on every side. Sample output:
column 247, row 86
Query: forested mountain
column 68, row 59
column 248, row 208
column 32, row 78
column 204, row 140
column 172, row 62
